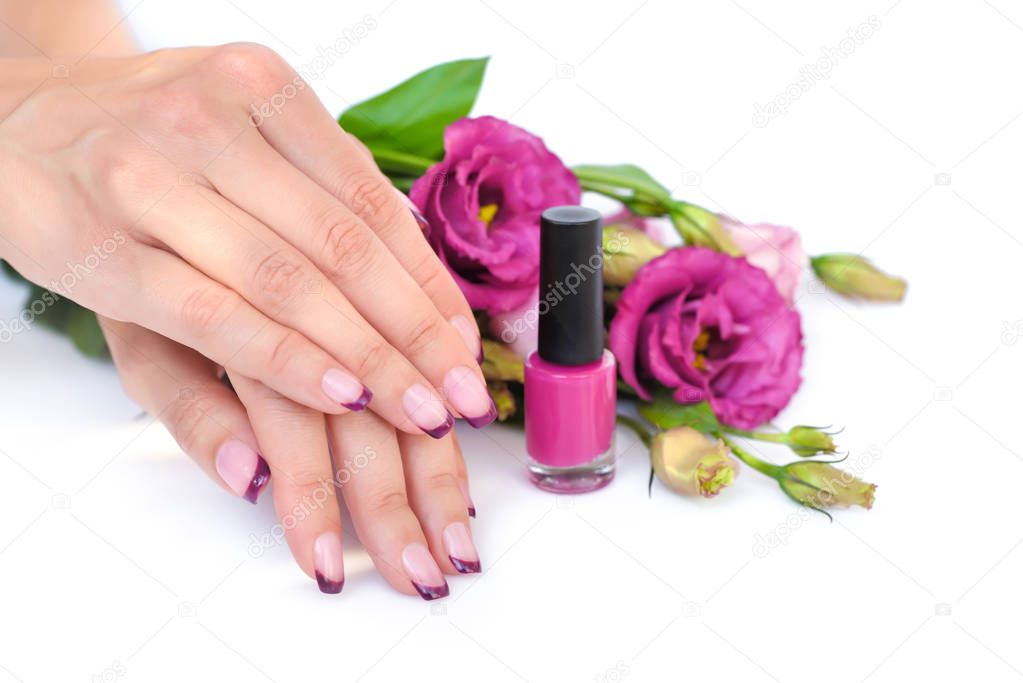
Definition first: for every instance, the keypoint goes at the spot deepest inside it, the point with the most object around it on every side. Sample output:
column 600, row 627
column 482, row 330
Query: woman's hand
column 205, row 194
column 407, row 494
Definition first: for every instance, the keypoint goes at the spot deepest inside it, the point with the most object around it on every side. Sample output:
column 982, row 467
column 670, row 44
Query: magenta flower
column 483, row 202
column 709, row 326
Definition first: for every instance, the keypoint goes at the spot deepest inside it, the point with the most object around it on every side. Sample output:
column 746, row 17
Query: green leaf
column 666, row 414
column 85, row 333
column 411, row 117
column 646, row 189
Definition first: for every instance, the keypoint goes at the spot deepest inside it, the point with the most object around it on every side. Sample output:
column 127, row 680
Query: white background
column 117, row 554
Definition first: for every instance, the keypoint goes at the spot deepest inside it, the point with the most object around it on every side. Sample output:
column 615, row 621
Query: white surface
column 923, row 587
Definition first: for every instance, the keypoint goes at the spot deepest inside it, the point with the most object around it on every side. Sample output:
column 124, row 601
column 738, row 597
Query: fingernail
column 468, row 499
column 460, row 548
column 424, row 224
column 423, row 572
column 242, row 469
column 427, row 411
column 329, row 563
column 345, row 390
column 468, row 394
column 468, row 332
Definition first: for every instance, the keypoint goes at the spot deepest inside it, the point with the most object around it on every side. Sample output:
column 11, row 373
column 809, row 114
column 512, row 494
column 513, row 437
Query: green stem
column 756, row 463
column 394, row 162
column 637, row 427
column 759, row 436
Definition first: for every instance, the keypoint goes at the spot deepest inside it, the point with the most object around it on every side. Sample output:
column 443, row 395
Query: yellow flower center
column 700, row 345
column 487, row 213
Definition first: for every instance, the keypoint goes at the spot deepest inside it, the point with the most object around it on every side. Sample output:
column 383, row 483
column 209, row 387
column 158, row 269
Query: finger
column 309, row 138
column 431, row 475
column 182, row 304
column 231, row 246
column 294, row 440
column 366, row 448
column 462, row 473
column 360, row 265
column 181, row 389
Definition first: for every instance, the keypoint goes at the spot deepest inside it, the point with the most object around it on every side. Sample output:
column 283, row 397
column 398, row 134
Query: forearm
column 57, row 28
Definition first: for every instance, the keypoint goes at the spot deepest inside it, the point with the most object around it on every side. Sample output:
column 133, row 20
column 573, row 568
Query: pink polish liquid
column 570, row 380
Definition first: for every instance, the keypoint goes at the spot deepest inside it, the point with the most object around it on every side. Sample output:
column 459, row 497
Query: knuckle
column 366, row 193
column 440, row 480
column 347, row 244
column 277, row 278
column 282, row 351
column 373, row 359
column 309, row 476
column 255, row 68
column 431, row 276
column 205, row 309
column 386, row 501
column 186, row 417
column 423, row 335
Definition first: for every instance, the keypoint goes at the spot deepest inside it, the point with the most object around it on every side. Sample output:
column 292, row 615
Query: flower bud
column 626, row 250
column 702, row 228
column 820, row 485
column 501, row 363
column 503, row 399
column 806, row 441
column 689, row 463
column 855, row 276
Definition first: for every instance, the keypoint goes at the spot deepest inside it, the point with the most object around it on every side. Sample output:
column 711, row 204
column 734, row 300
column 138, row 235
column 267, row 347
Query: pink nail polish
column 423, row 572
column 570, row 378
column 345, row 390
column 460, row 548
column 424, row 407
column 468, row 394
column 467, row 330
column 242, row 469
column 328, row 561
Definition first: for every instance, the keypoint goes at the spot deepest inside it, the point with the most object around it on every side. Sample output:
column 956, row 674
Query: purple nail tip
column 361, row 402
column 260, row 478
column 472, row 511
column 424, row 224
column 431, row 592
column 483, row 420
column 443, row 428
column 464, row 566
column 479, row 356
column 328, row 586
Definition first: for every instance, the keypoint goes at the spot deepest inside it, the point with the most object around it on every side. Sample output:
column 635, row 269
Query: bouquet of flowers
column 702, row 321
column 700, row 306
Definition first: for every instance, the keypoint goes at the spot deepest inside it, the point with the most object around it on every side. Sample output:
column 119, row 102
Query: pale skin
column 270, row 246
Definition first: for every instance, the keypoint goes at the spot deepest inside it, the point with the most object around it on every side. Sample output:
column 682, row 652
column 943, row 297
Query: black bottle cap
column 571, row 306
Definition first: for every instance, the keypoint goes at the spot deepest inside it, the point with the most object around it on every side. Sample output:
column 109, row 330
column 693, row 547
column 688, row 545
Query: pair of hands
column 210, row 232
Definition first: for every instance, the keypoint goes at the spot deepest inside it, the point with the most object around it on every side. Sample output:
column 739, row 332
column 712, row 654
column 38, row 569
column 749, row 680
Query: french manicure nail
column 426, row 409
column 460, row 548
column 467, row 330
column 328, row 562
column 468, row 394
column 423, row 572
column 242, row 469
column 345, row 390
column 464, row 488
column 424, row 224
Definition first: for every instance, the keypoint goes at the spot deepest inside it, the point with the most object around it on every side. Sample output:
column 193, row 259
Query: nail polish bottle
column 570, row 378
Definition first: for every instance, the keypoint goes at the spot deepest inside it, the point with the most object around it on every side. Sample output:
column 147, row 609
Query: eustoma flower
column 774, row 249
column 483, row 202
column 709, row 326
column 688, row 462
